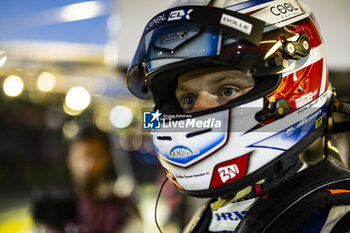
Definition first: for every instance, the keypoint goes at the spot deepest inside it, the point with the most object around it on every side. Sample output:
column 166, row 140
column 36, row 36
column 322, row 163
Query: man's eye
column 188, row 100
column 227, row 92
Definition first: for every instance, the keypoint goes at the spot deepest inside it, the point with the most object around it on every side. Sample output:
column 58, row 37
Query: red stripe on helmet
column 210, row 3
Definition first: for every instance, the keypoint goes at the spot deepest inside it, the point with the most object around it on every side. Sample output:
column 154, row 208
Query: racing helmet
column 224, row 149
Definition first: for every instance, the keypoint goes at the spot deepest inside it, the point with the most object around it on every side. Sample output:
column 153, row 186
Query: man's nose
column 87, row 165
column 205, row 100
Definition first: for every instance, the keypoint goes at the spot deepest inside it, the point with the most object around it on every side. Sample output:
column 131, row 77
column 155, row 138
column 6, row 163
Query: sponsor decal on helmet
column 319, row 122
column 180, row 14
column 236, row 23
column 156, row 20
column 305, row 99
column 175, row 36
column 229, row 171
column 286, row 10
column 180, row 152
column 281, row 12
column 322, row 98
column 294, row 133
column 178, row 176
column 172, row 36
column 300, row 124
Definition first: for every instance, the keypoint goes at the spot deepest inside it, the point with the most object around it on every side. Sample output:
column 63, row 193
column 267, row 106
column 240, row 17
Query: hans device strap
column 287, row 207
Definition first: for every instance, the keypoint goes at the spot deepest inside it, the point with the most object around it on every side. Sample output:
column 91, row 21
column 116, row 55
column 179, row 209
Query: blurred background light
column 3, row 58
column 70, row 129
column 80, row 11
column 78, row 98
column 130, row 140
column 97, row 86
column 148, row 144
column 46, row 82
column 102, row 122
column 36, row 97
column 124, row 186
column 53, row 119
column 121, row 116
column 13, row 85
column 70, row 111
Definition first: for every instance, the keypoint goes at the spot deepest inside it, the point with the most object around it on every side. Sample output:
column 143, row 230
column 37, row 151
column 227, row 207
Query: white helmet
column 254, row 136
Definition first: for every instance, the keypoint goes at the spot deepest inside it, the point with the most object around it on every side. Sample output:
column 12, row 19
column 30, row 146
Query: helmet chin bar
column 284, row 161
column 289, row 158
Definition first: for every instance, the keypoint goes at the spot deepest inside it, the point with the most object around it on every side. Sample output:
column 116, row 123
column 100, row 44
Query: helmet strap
column 284, row 170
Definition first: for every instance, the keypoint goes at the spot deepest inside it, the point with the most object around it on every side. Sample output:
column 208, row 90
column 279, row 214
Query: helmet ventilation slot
column 164, row 138
column 189, row 135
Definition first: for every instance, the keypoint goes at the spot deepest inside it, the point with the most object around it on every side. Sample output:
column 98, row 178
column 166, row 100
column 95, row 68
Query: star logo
column 151, row 120
column 155, row 115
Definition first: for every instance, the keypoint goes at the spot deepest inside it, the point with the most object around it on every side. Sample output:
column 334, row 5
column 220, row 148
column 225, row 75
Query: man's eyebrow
column 221, row 78
column 183, row 88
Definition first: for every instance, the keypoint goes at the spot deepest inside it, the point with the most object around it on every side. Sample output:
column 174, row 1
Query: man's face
column 88, row 161
column 208, row 88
